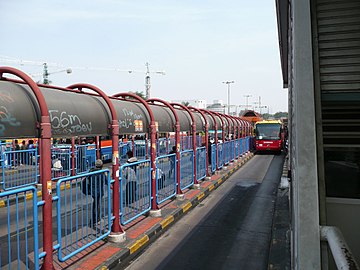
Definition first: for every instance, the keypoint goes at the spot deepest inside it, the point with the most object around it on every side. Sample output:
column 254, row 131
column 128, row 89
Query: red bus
column 269, row 136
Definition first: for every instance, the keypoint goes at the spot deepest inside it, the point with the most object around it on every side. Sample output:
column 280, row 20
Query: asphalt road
column 231, row 229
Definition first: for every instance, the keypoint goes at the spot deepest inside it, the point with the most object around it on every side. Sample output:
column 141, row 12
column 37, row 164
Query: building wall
column 303, row 153
column 197, row 103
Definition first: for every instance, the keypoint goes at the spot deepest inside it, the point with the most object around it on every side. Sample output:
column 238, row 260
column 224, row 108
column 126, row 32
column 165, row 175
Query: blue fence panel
column 226, row 152
column 199, row 141
column 140, row 149
column 83, row 212
column 243, row 145
column 186, row 169
column 232, row 150
column 162, row 147
column 171, row 143
column 124, row 147
column 213, row 158
column 23, row 169
column 60, row 162
column 85, row 157
column 135, row 190
column 237, row 148
column 247, row 146
column 106, row 153
column 186, row 142
column 220, row 155
column 6, row 162
column 166, row 177
column 200, row 163
column 19, row 246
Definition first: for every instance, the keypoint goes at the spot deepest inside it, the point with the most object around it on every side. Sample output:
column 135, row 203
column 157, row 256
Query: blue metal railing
column 166, row 178
column 186, row 169
column 220, row 154
column 237, row 148
column 213, row 158
column 226, row 153
column 85, row 156
column 19, row 245
column 200, row 163
column 140, row 149
column 243, row 145
column 232, row 150
column 83, row 212
column 124, row 147
column 186, row 142
column 19, row 168
column 61, row 162
column 135, row 190
column 162, row 147
column 247, row 148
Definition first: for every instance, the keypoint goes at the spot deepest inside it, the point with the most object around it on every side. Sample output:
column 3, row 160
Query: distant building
column 196, row 103
column 218, row 106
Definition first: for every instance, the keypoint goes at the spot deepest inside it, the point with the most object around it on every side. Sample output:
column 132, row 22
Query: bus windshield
column 268, row 131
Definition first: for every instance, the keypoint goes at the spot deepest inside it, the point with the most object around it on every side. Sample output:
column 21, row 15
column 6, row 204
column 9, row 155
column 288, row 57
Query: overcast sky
column 199, row 44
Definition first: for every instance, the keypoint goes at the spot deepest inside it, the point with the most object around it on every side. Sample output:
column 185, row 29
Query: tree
column 186, row 103
column 280, row 115
column 139, row 94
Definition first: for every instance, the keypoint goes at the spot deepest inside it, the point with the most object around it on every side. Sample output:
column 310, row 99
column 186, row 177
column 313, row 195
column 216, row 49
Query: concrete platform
column 142, row 231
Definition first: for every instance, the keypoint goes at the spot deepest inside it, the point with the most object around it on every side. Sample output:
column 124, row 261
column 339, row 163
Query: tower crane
column 45, row 74
column 147, row 74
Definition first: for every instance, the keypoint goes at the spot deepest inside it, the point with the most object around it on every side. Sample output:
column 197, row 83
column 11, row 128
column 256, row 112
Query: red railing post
column 45, row 164
column 117, row 233
column 193, row 127
column 155, row 211
column 177, row 140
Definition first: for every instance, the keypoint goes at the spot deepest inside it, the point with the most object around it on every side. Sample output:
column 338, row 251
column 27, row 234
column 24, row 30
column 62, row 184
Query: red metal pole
column 194, row 149
column 178, row 167
column 45, row 178
column 153, row 131
column 45, row 154
column 97, row 147
column 116, row 228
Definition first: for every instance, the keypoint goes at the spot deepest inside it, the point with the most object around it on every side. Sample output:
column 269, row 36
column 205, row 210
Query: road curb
column 136, row 246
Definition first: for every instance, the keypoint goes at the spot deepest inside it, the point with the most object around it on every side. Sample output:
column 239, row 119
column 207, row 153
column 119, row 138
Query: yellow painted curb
column 211, row 187
column 186, row 206
column 138, row 244
column 2, row 204
column 63, row 186
column 220, row 181
column 200, row 196
column 167, row 221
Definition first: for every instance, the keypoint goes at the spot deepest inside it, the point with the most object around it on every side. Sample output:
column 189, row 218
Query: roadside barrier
column 165, row 178
column 83, row 212
column 186, row 169
column 135, row 190
column 200, row 163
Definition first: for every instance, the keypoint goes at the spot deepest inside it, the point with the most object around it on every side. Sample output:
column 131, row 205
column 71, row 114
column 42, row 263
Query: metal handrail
column 339, row 249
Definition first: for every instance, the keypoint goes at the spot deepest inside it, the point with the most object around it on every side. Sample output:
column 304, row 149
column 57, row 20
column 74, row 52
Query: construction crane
column 147, row 74
column 45, row 74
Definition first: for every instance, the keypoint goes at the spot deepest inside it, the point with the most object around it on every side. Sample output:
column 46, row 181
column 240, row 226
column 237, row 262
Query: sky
column 199, row 45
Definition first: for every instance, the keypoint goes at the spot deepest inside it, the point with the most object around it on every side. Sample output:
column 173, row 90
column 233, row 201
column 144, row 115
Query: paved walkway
column 142, row 231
